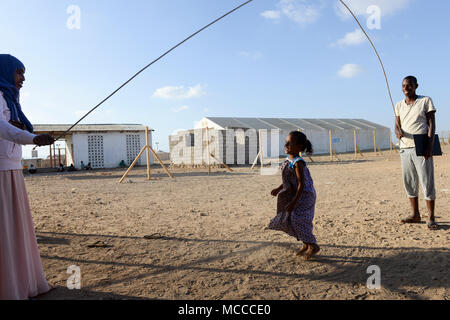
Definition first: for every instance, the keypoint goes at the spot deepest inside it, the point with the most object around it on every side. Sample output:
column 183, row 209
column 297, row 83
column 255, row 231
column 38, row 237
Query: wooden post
column 261, row 152
column 54, row 156
column 51, row 157
column 374, row 142
column 59, row 156
column 356, row 146
column 147, row 148
column 149, row 174
column 256, row 160
column 359, row 150
column 133, row 164
column 390, row 141
column 220, row 162
column 331, row 146
column 160, row 162
column 207, row 150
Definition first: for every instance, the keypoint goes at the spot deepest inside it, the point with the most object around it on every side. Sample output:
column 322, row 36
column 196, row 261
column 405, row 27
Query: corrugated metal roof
column 294, row 123
column 88, row 127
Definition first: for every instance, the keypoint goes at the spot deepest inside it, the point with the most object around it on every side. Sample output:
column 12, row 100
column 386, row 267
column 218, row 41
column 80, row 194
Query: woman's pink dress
column 21, row 272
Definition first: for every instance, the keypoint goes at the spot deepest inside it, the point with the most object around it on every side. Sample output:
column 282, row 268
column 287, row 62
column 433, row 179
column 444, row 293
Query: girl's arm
column 300, row 173
column 276, row 191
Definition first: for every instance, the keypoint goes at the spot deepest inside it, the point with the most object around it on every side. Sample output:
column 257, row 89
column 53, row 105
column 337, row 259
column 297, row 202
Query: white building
column 236, row 140
column 102, row 145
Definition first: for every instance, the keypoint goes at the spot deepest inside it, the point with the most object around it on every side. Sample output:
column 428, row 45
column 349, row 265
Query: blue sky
column 272, row 58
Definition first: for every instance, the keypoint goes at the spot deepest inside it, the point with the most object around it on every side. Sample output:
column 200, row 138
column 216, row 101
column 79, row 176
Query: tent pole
column 160, row 162
column 331, row 145
column 256, row 160
column 147, row 148
column 149, row 174
column 261, row 150
column 207, row 149
column 51, row 157
column 133, row 164
column 390, row 140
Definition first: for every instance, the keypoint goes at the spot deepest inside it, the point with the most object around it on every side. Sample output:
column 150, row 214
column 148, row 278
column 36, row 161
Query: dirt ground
column 206, row 238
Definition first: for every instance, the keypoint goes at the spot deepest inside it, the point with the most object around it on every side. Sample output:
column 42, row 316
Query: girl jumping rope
column 296, row 196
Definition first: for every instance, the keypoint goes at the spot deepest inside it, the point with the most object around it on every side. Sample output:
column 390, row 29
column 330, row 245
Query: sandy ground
column 208, row 240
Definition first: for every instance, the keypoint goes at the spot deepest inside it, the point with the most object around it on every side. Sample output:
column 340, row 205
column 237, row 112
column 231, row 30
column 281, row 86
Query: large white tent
column 236, row 140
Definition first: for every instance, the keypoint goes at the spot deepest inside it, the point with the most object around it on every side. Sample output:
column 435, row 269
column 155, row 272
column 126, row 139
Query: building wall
column 114, row 148
column 343, row 140
column 237, row 147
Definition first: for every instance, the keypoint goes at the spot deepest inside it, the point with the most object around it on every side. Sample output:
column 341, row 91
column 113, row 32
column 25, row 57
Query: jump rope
column 200, row 30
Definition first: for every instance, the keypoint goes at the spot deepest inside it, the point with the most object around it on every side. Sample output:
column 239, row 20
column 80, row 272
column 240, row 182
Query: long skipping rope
column 150, row 64
column 207, row 26
column 375, row 49
column 376, row 52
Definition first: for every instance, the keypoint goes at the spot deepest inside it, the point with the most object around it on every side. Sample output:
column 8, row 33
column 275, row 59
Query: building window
column 95, row 151
column 133, row 147
column 189, row 140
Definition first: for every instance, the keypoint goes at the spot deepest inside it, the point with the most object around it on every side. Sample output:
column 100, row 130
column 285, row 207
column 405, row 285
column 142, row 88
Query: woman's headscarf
column 8, row 67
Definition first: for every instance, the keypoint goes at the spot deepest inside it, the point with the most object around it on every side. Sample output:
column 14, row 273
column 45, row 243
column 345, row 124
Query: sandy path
column 211, row 243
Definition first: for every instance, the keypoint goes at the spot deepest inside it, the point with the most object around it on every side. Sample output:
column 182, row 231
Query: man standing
column 416, row 115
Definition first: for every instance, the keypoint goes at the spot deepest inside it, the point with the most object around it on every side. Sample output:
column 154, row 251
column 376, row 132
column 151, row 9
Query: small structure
column 238, row 141
column 103, row 145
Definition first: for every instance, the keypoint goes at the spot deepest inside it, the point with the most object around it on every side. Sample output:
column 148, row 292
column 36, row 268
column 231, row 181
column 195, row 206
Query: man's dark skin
column 409, row 88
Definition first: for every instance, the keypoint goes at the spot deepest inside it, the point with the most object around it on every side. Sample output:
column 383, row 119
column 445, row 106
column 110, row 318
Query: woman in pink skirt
column 21, row 273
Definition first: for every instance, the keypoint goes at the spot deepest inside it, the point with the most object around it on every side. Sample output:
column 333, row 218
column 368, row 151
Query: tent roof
column 293, row 123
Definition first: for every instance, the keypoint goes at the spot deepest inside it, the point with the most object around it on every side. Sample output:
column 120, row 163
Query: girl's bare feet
column 302, row 251
column 313, row 249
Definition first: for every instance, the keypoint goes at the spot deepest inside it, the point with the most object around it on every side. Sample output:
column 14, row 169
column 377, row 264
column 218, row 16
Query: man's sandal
column 412, row 219
column 432, row 225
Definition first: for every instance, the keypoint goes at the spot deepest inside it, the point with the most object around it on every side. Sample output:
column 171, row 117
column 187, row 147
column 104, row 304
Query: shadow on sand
column 62, row 293
column 401, row 267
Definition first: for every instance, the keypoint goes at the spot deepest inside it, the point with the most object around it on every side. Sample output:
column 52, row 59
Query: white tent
column 236, row 140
